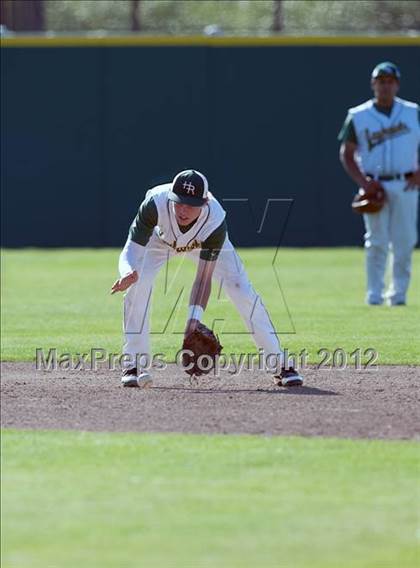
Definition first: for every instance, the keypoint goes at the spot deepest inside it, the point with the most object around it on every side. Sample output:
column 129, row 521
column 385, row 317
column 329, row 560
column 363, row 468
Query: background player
column 380, row 140
column 184, row 217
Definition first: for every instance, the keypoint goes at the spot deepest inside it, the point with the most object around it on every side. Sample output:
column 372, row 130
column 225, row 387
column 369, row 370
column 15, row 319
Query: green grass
column 83, row 499
column 59, row 298
column 78, row 499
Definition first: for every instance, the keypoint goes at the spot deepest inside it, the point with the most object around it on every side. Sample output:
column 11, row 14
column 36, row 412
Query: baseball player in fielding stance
column 379, row 148
column 183, row 217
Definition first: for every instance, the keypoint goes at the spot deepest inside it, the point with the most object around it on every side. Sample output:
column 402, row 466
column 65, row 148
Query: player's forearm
column 351, row 167
column 200, row 293
column 130, row 257
column 199, row 297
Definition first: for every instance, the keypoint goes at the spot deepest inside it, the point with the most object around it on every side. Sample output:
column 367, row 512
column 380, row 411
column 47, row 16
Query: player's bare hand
column 413, row 182
column 123, row 283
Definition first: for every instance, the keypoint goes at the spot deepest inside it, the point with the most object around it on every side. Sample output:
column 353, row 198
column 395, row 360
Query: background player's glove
column 201, row 341
column 369, row 201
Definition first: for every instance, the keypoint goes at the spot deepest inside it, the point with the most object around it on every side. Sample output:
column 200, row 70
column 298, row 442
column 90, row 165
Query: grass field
column 77, row 499
column 60, row 298
column 129, row 500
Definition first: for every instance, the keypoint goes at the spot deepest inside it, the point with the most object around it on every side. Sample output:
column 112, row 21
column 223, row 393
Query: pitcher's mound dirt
column 382, row 403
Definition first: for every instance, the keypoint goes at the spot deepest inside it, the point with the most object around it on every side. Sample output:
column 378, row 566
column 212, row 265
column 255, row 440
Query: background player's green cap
column 386, row 68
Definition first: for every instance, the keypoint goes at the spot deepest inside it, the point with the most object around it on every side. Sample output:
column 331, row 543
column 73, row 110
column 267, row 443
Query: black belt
column 391, row 177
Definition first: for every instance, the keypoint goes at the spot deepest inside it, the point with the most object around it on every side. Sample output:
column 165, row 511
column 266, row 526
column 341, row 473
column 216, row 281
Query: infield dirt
column 380, row 403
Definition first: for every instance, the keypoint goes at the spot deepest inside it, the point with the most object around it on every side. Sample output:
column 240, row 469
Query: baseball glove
column 201, row 341
column 370, row 202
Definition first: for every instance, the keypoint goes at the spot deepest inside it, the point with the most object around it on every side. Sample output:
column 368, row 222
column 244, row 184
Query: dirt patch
column 358, row 404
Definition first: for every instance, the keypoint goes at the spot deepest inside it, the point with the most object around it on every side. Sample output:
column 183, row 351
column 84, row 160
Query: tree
column 278, row 20
column 135, row 16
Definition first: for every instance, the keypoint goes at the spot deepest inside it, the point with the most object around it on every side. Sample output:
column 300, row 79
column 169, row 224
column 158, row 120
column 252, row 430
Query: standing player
column 184, row 217
column 379, row 147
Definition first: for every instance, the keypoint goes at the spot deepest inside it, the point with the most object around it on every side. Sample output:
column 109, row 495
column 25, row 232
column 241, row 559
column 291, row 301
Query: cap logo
column 189, row 187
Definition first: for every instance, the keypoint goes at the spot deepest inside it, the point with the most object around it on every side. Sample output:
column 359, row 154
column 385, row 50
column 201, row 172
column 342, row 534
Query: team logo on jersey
column 380, row 136
column 189, row 187
column 195, row 244
column 191, row 246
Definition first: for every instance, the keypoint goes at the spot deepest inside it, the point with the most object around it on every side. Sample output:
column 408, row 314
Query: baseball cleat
column 288, row 378
column 393, row 304
column 130, row 378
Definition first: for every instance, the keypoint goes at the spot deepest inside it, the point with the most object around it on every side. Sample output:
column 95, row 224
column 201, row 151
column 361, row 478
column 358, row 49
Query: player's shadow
column 311, row 391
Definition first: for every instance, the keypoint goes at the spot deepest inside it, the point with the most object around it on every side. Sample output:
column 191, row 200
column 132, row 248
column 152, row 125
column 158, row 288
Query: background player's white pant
column 229, row 271
column 393, row 229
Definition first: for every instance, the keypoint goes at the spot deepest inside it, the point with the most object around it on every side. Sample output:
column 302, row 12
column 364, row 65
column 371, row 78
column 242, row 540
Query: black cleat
column 288, row 378
column 129, row 377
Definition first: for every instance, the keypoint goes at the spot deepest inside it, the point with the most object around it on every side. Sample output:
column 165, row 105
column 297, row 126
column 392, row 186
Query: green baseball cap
column 386, row 68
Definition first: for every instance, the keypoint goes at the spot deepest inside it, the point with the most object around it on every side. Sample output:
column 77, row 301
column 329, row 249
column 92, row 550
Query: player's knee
column 404, row 244
column 239, row 288
column 376, row 244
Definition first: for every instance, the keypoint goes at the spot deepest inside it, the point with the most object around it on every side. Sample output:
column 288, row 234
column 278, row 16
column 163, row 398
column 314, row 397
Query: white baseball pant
column 394, row 230
column 229, row 272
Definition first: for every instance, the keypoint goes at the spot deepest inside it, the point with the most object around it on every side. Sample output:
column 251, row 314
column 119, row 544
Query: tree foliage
column 232, row 16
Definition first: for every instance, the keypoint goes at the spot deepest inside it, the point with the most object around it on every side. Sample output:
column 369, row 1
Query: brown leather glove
column 200, row 341
column 369, row 200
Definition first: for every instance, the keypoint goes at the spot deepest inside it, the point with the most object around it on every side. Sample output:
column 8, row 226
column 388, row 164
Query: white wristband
column 195, row 312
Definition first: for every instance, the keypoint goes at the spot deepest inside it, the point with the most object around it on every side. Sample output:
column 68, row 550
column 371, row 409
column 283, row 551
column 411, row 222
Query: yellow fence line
column 218, row 41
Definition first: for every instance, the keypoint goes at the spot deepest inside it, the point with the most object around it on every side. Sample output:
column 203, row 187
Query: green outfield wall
column 89, row 124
